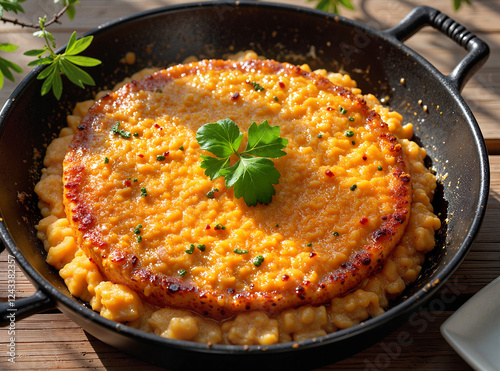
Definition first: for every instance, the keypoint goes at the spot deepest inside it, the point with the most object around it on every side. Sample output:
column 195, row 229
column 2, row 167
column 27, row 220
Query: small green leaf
column 7, row 47
column 35, row 52
column 83, row 61
column 46, row 72
column 253, row 179
column 78, row 46
column 264, row 140
column 213, row 166
column 40, row 61
column 10, row 6
column 57, row 86
column 75, row 74
column 222, row 138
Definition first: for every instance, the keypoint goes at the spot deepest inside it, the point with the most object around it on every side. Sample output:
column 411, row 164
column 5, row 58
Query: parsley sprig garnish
column 254, row 174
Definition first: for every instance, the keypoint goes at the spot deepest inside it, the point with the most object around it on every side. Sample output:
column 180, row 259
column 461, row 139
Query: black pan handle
column 16, row 309
column 427, row 16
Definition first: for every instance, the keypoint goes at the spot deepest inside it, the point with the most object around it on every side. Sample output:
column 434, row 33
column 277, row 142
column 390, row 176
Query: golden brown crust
column 123, row 264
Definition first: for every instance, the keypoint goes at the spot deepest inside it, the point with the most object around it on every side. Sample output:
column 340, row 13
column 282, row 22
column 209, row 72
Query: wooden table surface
column 51, row 341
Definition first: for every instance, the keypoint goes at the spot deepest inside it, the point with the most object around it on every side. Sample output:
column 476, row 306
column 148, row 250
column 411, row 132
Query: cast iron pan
column 376, row 59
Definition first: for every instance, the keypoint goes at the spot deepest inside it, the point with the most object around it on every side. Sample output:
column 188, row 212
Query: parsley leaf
column 253, row 175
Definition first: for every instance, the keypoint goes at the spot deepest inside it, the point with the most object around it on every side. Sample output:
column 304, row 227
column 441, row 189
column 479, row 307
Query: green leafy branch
column 66, row 63
column 254, row 174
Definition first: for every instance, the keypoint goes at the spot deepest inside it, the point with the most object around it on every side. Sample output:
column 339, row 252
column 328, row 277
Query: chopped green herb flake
column 380, row 168
column 134, row 180
column 201, row 247
column 342, row 110
column 144, row 192
column 106, row 160
column 353, row 142
column 238, row 251
column 277, row 225
column 137, row 230
column 160, row 158
column 139, row 238
column 211, row 194
column 219, row 226
column 158, row 90
column 276, row 98
column 351, row 118
column 309, row 244
column 182, row 272
column 135, row 134
column 257, row 261
column 191, row 249
column 257, row 87
column 336, row 234
column 353, row 187
column 349, row 133
column 115, row 129
column 320, row 135
column 181, row 148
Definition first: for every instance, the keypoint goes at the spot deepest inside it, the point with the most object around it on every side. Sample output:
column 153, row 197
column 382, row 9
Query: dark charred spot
column 248, row 307
column 405, row 178
column 365, row 157
column 134, row 260
column 300, row 291
column 230, row 291
column 400, row 218
column 81, row 127
column 235, row 96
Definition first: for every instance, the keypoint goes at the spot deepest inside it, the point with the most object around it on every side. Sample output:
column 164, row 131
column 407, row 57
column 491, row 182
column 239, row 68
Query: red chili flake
column 127, row 182
column 384, row 217
column 363, row 220
column 207, row 227
column 285, row 277
column 248, row 82
column 235, row 96
column 140, row 155
column 312, row 255
column 365, row 158
column 166, row 153
column 329, row 173
column 329, row 108
column 157, row 126
column 281, row 85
